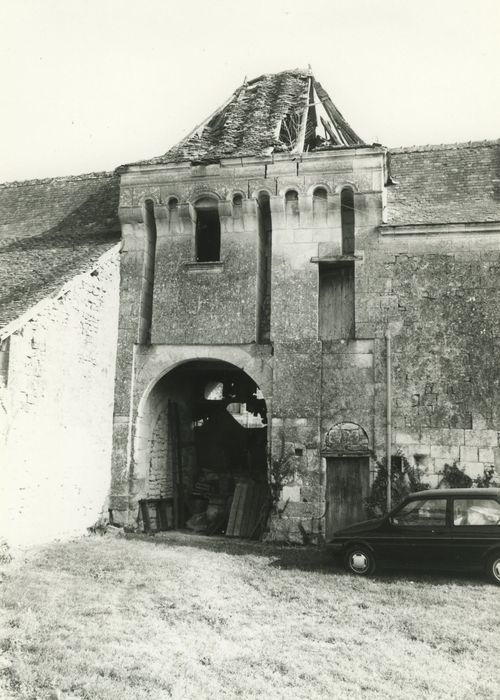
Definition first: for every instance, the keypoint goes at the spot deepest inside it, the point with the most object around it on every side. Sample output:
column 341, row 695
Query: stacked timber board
column 248, row 509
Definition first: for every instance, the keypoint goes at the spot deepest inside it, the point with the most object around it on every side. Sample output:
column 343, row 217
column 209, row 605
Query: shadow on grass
column 306, row 558
column 311, row 558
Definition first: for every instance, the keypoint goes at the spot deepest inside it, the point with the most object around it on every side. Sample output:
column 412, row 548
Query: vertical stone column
column 131, row 272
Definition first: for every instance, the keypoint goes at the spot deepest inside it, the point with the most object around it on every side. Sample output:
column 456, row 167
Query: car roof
column 471, row 493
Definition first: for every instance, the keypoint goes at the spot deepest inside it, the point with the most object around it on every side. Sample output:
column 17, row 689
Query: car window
column 422, row 513
column 476, row 511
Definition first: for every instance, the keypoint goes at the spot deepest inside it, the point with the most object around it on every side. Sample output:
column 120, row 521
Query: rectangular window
column 430, row 512
column 336, row 301
column 476, row 511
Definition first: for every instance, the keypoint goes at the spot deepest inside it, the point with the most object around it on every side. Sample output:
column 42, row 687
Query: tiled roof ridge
column 445, row 146
column 299, row 72
column 59, row 178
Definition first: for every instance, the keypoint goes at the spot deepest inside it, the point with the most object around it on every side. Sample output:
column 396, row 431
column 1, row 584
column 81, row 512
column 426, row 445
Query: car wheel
column 360, row 561
column 493, row 568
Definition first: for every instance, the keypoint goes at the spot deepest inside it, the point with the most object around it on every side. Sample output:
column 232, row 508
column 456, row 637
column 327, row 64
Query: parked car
column 452, row 529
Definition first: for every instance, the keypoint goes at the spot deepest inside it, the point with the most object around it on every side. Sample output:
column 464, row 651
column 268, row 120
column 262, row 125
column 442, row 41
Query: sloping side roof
column 272, row 113
column 457, row 183
column 50, row 231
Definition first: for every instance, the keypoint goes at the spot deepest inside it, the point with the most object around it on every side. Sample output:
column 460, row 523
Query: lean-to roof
column 50, row 231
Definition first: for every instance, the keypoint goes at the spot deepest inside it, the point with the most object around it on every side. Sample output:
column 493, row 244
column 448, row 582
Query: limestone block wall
column 317, row 383
column 437, row 289
column 56, row 410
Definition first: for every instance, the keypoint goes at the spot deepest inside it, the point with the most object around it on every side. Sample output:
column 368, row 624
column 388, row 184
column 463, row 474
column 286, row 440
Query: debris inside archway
column 208, row 453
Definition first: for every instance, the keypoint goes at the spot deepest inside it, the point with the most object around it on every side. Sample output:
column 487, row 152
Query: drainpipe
column 388, row 447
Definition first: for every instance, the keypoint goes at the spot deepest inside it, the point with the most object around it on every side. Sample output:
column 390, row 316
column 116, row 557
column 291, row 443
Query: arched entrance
column 200, row 452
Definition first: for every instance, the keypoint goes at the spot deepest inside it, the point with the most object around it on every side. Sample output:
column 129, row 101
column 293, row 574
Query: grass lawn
column 192, row 617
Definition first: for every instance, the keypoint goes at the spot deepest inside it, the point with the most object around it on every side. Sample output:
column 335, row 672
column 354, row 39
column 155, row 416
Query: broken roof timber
column 270, row 114
column 350, row 136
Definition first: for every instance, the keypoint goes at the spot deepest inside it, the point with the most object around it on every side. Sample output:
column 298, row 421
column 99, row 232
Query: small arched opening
column 320, row 203
column 201, row 451
column 292, row 207
column 173, row 212
column 238, row 206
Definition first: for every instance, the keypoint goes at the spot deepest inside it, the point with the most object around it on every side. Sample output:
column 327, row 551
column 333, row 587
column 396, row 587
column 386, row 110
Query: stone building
column 59, row 274
column 264, row 259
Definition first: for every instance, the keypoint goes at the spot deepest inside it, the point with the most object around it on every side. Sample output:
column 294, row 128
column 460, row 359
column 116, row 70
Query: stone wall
column 56, row 410
column 433, row 285
column 438, row 292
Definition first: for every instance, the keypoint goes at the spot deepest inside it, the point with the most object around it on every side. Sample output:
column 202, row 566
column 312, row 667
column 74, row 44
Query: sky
column 87, row 85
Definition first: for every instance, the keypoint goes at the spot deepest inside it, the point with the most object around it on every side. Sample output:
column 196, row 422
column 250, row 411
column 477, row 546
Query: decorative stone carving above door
column 346, row 439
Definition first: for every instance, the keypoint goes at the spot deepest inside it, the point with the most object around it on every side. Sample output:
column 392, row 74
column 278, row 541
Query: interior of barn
column 207, row 452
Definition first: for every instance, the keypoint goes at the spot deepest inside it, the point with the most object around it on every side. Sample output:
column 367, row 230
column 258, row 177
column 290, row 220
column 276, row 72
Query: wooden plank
column 247, row 514
column 146, row 522
column 328, row 128
column 179, row 465
column 170, row 451
column 241, row 508
column 347, row 486
column 299, row 144
column 263, row 513
column 233, row 511
column 336, row 302
column 256, row 507
column 161, row 515
column 350, row 137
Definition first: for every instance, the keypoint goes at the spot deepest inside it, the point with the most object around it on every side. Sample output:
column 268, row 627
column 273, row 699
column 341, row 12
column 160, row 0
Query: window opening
column 347, row 220
column 237, row 206
column 292, row 202
column 476, row 511
column 207, row 230
column 319, row 203
column 214, row 391
column 173, row 211
column 422, row 513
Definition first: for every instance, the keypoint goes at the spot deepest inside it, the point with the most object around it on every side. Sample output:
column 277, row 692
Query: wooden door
column 347, row 485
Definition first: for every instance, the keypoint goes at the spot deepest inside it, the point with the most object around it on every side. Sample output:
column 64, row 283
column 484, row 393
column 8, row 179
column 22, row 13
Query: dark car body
column 452, row 529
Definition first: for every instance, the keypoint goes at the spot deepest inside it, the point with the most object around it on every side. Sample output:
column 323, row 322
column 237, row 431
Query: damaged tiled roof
column 455, row 183
column 50, row 231
column 272, row 113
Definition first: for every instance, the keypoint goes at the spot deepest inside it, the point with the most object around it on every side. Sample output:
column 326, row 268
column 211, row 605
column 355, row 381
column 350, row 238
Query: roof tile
column 52, row 230
column 455, row 183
